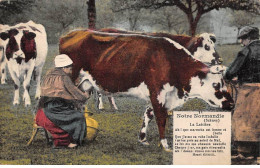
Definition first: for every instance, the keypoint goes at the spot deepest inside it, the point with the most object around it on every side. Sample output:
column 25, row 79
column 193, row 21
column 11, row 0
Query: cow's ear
column 29, row 35
column 4, row 36
column 213, row 38
column 13, row 32
column 199, row 42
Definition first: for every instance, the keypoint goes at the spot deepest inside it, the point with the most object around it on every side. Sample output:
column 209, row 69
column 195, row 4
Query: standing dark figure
column 246, row 116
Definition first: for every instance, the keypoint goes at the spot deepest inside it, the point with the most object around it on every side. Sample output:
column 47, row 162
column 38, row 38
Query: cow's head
column 203, row 49
column 212, row 89
column 20, row 46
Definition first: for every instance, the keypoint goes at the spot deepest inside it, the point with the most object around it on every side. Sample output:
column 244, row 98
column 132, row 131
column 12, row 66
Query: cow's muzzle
column 228, row 103
column 19, row 60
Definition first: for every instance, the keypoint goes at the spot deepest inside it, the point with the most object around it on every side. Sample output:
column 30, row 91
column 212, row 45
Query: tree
column 58, row 16
column 105, row 16
column 165, row 20
column 240, row 19
column 132, row 14
column 193, row 9
column 10, row 8
column 91, row 14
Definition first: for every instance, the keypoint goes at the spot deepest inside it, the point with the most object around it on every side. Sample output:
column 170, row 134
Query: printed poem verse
column 201, row 138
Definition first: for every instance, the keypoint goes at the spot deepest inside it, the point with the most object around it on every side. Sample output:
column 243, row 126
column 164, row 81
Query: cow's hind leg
column 26, row 85
column 147, row 118
column 37, row 76
column 98, row 101
column 112, row 102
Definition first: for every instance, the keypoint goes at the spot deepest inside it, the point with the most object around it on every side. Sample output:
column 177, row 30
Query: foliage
column 193, row 9
column 240, row 19
column 165, row 20
column 105, row 16
column 11, row 8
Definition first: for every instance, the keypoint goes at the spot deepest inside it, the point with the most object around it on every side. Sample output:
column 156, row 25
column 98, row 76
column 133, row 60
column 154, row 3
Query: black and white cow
column 26, row 50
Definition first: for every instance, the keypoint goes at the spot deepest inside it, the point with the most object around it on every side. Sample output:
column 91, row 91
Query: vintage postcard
column 125, row 82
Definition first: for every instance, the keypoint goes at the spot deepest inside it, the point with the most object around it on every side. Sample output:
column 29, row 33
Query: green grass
column 115, row 144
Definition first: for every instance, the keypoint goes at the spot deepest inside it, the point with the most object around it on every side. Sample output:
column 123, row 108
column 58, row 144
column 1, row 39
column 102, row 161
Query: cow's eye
column 216, row 86
column 207, row 47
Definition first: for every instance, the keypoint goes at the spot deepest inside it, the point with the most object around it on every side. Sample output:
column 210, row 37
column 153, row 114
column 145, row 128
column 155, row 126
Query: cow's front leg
column 26, row 86
column 16, row 93
column 38, row 72
column 147, row 118
column 161, row 122
column 161, row 116
column 13, row 72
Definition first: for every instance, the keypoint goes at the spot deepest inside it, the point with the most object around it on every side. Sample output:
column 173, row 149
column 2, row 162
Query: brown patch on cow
column 194, row 43
column 34, row 29
column 11, row 47
column 142, row 135
column 191, row 43
column 103, row 38
column 28, row 45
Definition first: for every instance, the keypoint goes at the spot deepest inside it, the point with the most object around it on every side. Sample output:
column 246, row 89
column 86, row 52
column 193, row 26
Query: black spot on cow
column 212, row 102
column 3, row 71
column 219, row 95
column 19, row 60
column 216, row 86
column 15, row 86
column 28, row 88
column 142, row 135
column 148, row 113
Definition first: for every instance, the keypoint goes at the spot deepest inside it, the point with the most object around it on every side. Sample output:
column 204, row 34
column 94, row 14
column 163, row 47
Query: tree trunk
column 91, row 14
column 193, row 27
column 194, row 22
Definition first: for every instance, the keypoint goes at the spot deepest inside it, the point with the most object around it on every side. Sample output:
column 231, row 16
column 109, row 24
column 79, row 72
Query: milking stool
column 36, row 128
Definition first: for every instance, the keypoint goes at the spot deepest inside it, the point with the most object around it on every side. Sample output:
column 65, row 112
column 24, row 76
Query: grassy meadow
column 115, row 144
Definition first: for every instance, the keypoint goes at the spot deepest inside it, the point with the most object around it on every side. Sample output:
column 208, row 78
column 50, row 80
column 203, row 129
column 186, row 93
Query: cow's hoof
column 15, row 104
column 3, row 82
column 166, row 149
column 37, row 96
column 27, row 105
column 144, row 142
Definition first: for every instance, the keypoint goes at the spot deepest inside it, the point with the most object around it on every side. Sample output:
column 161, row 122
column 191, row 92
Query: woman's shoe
column 73, row 146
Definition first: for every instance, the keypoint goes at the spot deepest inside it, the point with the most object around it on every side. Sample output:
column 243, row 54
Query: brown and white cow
column 153, row 68
column 26, row 50
column 201, row 47
column 2, row 55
